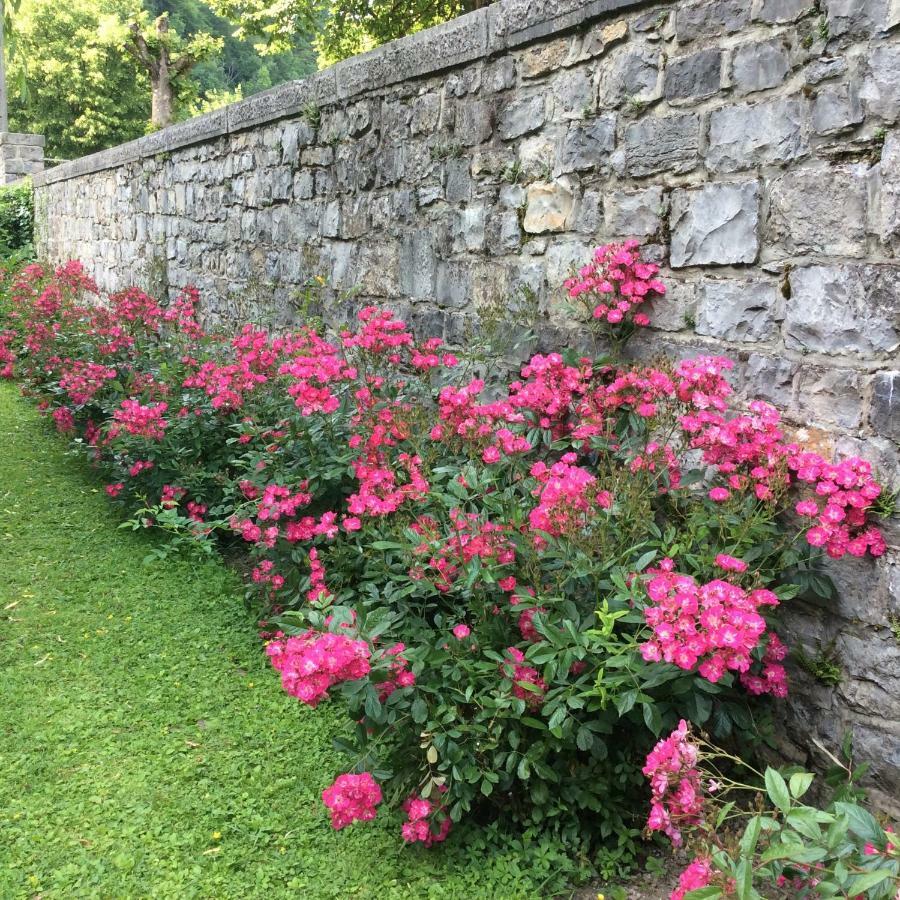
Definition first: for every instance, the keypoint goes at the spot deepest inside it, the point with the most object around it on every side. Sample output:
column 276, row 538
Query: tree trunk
column 161, row 111
column 4, row 107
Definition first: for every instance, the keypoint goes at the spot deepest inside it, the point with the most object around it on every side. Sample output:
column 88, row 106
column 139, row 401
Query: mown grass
column 146, row 750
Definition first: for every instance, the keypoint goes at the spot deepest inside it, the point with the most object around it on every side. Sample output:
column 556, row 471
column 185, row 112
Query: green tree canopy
column 344, row 26
column 82, row 91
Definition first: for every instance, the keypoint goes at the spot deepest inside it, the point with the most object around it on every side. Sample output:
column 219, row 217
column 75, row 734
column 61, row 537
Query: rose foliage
column 513, row 587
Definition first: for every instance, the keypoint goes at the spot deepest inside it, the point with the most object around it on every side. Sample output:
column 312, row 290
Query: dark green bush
column 16, row 220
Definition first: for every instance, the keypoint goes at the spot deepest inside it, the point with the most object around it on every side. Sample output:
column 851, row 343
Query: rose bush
column 513, row 588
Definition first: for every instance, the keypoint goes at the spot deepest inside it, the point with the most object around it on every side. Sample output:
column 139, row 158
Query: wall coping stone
column 477, row 35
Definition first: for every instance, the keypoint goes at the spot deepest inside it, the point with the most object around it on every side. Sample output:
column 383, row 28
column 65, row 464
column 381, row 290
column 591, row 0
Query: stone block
column 715, row 224
column 777, row 12
column 824, row 68
column 884, row 415
column 732, row 310
column 710, row 18
column 543, row 58
column 521, row 117
column 418, row 266
column 844, row 310
column 587, row 145
column 859, row 18
column 744, row 136
column 457, row 180
column 881, row 89
column 573, row 94
column 629, row 76
column 836, row 109
column 453, row 285
column 830, row 396
column 662, row 143
column 633, row 213
column 549, row 206
column 758, row 66
column 820, row 209
column 694, row 77
column 474, row 122
column 770, row 378
column 885, row 184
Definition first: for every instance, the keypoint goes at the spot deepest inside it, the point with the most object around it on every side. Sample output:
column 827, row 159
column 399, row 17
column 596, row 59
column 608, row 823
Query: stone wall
column 20, row 155
column 752, row 145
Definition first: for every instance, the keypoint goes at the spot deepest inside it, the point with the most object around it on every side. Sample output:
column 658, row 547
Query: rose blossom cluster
column 675, row 784
column 845, row 490
column 313, row 662
column 81, row 380
column 139, row 420
column 712, row 627
column 568, row 497
column 421, row 814
column 617, row 281
column 520, row 674
column 352, row 798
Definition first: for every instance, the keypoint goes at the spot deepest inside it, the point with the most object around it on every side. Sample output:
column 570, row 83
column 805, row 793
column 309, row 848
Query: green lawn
column 146, row 749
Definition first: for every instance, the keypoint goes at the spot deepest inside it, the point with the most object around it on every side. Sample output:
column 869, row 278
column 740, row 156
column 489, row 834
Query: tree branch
column 141, row 51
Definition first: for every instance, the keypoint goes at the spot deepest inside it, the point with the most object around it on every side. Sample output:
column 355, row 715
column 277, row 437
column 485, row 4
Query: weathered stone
column 886, row 185
column 756, row 67
column 573, row 94
column 543, row 58
column 504, row 235
column 843, row 310
column 599, row 39
column 453, row 285
column 715, row 224
column 629, row 76
column 835, row 109
column 881, row 89
column 830, row 396
column 744, row 136
column 859, row 17
column 587, row 146
column 549, row 206
column 474, row 122
column 664, row 143
column 418, row 265
column 521, row 117
column 770, row 379
column 821, row 209
column 780, row 11
column 737, row 310
column 696, row 76
column 633, row 213
column 426, row 113
column 825, row 68
column 710, row 18
column 469, row 230
column 590, row 213
column 884, row 415
column 457, row 180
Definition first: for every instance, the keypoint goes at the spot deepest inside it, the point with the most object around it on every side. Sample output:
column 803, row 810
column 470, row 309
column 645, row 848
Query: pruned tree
column 167, row 59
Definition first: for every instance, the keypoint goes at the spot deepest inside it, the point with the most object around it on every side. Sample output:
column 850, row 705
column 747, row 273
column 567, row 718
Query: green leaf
column 799, row 784
column 862, row 823
column 707, row 893
column 751, row 837
column 861, row 883
column 777, row 789
column 781, row 851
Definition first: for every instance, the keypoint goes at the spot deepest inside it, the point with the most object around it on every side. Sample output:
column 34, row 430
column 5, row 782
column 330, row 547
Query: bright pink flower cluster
column 846, row 489
column 7, row 355
column 81, row 380
column 313, row 662
column 137, row 419
column 675, row 784
column 697, row 875
column 549, row 390
column 619, row 281
column 568, row 497
column 352, row 798
column 379, row 492
column 399, row 673
column 712, row 627
column 381, row 333
column 63, row 419
column 522, row 675
column 471, row 537
column 314, row 368
column 421, row 817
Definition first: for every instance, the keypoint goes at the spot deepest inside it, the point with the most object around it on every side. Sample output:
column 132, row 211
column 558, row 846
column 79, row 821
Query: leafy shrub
column 788, row 849
column 512, row 588
column 16, row 221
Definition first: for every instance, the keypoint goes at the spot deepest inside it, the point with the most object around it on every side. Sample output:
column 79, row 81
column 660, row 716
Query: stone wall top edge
column 503, row 25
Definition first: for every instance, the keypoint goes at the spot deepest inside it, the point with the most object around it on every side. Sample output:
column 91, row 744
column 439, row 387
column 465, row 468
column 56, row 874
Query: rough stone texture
column 757, row 66
column 818, row 209
column 694, row 77
column 759, row 161
column 20, row 155
column 716, row 224
column 741, row 137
